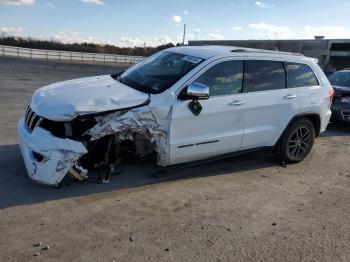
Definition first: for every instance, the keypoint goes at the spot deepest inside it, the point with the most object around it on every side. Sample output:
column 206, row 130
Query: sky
column 155, row 22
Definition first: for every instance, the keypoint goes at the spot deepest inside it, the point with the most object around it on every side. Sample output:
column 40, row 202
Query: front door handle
column 237, row 103
column 290, row 96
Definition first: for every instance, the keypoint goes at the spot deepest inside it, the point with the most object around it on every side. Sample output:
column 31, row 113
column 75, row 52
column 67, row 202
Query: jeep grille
column 31, row 119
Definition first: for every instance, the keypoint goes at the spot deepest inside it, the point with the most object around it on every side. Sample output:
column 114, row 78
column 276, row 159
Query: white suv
column 182, row 104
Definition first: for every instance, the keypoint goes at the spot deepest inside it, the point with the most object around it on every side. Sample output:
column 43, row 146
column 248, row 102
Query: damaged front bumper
column 47, row 158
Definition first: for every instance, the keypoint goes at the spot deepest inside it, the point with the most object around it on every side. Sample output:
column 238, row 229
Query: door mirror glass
column 197, row 91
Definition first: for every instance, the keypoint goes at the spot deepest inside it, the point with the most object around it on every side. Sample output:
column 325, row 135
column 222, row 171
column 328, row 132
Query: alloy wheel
column 299, row 142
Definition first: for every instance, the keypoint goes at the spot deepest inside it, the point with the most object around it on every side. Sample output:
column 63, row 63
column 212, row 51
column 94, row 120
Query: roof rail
column 252, row 50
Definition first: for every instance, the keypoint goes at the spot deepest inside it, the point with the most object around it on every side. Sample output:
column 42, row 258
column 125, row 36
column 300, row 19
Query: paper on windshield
column 192, row 59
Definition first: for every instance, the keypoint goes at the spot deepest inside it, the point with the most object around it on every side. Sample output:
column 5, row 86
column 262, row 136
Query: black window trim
column 244, row 60
column 286, row 75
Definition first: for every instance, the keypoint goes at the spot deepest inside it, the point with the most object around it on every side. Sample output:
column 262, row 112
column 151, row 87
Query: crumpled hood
column 63, row 101
column 341, row 90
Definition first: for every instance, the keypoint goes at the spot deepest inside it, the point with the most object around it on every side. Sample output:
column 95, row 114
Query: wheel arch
column 313, row 117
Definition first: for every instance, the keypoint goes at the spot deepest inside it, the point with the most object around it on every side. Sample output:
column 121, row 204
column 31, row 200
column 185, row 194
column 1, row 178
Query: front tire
column 296, row 142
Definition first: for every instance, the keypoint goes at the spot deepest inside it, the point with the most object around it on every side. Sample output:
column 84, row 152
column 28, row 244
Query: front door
column 218, row 129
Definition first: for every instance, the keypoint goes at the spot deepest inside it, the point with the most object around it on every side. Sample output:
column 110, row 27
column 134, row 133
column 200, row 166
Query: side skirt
column 177, row 167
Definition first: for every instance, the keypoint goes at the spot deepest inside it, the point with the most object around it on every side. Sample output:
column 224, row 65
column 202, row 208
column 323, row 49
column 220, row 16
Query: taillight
column 331, row 94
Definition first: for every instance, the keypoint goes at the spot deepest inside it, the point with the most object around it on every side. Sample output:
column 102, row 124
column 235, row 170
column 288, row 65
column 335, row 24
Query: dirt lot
column 246, row 208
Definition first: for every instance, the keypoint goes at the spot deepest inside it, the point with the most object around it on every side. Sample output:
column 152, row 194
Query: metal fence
column 67, row 55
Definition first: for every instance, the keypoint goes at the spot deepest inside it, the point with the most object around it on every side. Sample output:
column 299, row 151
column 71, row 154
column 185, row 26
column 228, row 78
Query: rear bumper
column 325, row 120
column 47, row 158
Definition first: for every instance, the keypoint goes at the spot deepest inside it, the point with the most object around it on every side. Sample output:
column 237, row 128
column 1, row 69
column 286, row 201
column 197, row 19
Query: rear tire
column 296, row 142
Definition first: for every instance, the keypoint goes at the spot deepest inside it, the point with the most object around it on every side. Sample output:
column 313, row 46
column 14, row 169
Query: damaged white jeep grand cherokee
column 181, row 104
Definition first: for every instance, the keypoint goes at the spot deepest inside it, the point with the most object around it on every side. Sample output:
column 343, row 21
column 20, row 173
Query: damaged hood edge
column 64, row 101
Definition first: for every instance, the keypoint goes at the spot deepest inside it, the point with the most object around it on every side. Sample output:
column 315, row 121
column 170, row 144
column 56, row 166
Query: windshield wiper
column 116, row 76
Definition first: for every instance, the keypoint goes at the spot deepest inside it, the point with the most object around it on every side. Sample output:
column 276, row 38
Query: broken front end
column 53, row 149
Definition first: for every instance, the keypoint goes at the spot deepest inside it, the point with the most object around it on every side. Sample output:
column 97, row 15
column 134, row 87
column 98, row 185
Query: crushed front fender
column 140, row 121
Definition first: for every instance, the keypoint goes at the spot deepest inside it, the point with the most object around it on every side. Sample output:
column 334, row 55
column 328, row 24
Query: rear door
column 302, row 80
column 218, row 129
column 269, row 105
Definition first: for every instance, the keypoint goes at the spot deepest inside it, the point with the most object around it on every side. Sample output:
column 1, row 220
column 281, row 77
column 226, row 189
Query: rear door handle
column 237, row 103
column 290, row 96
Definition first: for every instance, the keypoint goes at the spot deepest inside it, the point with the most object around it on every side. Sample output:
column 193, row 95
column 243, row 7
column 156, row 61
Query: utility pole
column 184, row 36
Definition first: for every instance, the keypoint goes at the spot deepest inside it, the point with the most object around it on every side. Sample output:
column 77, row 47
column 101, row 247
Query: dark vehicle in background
column 340, row 81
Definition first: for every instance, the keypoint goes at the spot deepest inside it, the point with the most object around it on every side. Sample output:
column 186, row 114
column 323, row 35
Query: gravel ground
column 246, row 208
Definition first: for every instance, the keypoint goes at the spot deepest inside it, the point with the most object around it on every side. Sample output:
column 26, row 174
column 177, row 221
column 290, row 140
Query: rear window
column 264, row 75
column 300, row 75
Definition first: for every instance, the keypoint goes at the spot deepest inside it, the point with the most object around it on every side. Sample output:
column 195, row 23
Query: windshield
column 340, row 79
column 159, row 72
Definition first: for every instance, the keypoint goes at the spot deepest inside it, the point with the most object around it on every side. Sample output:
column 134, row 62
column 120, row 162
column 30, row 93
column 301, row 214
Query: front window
column 159, row 72
column 224, row 78
column 340, row 79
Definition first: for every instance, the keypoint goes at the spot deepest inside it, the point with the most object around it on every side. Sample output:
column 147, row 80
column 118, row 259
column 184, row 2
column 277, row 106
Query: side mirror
column 197, row 91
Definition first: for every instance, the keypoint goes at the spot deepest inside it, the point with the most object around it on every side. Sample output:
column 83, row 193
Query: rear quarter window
column 300, row 75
